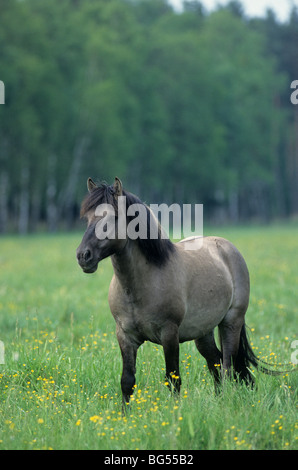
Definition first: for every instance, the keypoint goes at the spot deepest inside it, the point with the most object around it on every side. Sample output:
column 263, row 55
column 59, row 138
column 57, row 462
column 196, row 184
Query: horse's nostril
column 87, row 255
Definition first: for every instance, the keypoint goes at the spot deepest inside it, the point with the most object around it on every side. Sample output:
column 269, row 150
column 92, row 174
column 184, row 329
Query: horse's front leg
column 170, row 343
column 129, row 356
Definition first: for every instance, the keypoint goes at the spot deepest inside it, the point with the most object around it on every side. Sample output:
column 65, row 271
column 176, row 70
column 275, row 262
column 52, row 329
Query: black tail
column 246, row 359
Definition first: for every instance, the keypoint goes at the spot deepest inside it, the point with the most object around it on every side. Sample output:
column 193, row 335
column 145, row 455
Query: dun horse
column 165, row 294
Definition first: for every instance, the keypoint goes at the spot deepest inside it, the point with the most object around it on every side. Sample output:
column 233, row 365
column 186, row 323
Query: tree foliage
column 184, row 107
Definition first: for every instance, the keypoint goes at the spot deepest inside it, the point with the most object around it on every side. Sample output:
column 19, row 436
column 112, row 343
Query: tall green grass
column 60, row 383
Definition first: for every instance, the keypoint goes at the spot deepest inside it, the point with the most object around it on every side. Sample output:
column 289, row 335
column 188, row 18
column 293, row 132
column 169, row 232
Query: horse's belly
column 204, row 314
column 198, row 325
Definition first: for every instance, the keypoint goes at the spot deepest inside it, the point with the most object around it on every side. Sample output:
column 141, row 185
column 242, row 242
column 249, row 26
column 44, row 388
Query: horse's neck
column 130, row 266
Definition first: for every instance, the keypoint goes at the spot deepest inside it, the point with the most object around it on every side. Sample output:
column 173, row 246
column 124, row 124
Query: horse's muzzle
column 86, row 261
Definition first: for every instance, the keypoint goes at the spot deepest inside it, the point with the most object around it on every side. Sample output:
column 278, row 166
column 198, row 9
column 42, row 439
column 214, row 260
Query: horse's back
column 217, row 278
column 216, row 248
column 216, row 252
column 237, row 267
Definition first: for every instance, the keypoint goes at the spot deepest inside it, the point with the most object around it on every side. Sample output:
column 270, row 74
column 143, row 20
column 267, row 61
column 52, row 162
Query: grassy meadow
column 60, row 381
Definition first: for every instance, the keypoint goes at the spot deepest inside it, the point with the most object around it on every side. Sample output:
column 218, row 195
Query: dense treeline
column 184, row 107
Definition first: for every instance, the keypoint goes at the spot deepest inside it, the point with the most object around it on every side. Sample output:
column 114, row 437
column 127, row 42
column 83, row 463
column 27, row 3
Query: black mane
column 99, row 195
column 156, row 250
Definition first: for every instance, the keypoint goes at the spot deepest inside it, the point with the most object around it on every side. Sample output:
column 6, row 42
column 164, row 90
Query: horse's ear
column 91, row 185
column 118, row 188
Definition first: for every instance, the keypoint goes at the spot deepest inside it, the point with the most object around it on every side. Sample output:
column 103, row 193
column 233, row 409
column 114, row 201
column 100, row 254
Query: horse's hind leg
column 207, row 347
column 230, row 330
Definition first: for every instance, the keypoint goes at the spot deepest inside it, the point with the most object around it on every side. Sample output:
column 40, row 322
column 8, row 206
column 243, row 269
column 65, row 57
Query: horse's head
column 102, row 237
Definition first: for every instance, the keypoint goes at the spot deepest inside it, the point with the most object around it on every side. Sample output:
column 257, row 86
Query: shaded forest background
column 184, row 107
